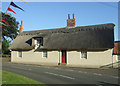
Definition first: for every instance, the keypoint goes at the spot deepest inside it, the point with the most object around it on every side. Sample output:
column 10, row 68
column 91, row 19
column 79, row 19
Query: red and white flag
column 5, row 22
column 9, row 9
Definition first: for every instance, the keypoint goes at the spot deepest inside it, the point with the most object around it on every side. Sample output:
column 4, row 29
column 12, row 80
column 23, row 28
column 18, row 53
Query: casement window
column 39, row 41
column 118, row 57
column 84, row 54
column 44, row 53
column 20, row 53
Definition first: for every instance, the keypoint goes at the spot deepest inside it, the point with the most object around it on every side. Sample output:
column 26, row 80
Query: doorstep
column 62, row 64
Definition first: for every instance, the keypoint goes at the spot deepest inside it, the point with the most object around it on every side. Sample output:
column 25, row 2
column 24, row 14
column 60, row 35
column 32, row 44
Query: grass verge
column 12, row 78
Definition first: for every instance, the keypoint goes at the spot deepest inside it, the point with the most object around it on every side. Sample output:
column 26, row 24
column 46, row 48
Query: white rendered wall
column 94, row 59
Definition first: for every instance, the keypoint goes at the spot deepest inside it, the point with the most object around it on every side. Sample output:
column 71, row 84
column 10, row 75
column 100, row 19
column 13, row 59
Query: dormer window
column 39, row 41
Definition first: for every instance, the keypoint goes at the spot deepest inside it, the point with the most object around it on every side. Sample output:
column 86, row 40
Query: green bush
column 4, row 55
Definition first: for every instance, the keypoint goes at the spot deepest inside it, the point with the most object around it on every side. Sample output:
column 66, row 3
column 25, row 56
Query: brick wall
column 71, row 22
column 116, row 49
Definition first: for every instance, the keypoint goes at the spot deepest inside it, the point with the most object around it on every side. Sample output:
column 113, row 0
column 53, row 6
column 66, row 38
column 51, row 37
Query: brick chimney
column 71, row 22
column 21, row 27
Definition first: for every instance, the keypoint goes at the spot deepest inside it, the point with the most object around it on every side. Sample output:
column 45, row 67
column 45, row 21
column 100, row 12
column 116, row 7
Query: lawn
column 12, row 78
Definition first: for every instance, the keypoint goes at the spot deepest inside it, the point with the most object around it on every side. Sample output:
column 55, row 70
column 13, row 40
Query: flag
column 25, row 2
column 14, row 5
column 5, row 22
column 9, row 9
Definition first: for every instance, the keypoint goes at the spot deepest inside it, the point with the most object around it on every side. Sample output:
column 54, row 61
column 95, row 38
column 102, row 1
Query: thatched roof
column 75, row 38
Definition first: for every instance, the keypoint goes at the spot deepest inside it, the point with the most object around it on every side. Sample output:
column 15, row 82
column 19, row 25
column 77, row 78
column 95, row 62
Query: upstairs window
column 84, row 54
column 39, row 41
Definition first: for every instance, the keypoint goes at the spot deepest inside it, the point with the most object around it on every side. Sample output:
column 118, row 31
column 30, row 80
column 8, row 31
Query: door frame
column 62, row 56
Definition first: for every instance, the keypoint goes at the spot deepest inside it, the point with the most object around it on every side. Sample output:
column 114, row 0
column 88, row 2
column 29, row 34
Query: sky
column 50, row 15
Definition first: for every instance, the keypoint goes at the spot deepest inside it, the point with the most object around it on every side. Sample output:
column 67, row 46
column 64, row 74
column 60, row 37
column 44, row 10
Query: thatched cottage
column 82, row 46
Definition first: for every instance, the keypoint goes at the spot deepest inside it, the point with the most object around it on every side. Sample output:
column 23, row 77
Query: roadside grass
column 12, row 78
column 0, row 76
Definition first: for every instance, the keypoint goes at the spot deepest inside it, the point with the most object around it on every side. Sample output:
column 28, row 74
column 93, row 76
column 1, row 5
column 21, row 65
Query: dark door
column 63, row 56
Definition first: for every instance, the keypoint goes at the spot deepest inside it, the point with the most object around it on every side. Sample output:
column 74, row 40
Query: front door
column 63, row 56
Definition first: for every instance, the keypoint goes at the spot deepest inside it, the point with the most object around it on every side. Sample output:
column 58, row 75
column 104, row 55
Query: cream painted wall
column 116, row 58
column 94, row 59
column 36, row 57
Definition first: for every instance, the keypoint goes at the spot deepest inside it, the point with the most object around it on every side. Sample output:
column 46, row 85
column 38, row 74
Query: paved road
column 59, row 75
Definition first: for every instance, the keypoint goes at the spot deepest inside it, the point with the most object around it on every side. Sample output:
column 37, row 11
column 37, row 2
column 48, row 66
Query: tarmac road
column 62, row 75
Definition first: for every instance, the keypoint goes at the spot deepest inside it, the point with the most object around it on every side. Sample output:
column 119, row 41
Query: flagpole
column 8, row 6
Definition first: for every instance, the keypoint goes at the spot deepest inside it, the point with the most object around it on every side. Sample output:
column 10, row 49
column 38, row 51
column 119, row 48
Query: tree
column 5, row 45
column 11, row 29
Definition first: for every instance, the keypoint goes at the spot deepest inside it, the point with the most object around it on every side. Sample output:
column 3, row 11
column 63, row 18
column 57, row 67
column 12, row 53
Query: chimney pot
column 73, row 15
column 21, row 22
column 68, row 16
column 21, row 27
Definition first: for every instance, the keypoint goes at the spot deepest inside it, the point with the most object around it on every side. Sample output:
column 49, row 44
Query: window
column 19, row 53
column 84, row 54
column 35, row 42
column 38, row 41
column 118, row 57
column 45, row 53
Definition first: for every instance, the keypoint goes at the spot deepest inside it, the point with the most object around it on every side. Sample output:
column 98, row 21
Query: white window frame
column 38, row 41
column 20, row 54
column 84, row 54
column 35, row 42
column 45, row 54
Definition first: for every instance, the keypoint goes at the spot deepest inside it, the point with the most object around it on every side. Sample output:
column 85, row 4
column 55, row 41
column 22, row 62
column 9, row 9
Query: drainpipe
column 112, row 58
column 112, row 61
column 59, row 58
